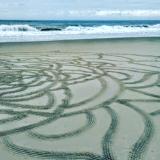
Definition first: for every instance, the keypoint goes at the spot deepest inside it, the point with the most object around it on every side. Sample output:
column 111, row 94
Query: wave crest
column 17, row 28
column 18, row 33
column 112, row 29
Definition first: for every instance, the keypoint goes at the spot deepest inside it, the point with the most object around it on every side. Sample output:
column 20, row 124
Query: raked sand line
column 64, row 101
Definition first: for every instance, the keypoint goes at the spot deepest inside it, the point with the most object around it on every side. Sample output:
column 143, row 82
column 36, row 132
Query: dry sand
column 86, row 99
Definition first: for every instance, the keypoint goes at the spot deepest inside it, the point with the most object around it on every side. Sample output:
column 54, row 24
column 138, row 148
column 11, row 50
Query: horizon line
column 79, row 19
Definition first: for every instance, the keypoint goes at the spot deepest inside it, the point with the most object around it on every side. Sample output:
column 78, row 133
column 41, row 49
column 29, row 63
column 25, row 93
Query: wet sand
column 83, row 99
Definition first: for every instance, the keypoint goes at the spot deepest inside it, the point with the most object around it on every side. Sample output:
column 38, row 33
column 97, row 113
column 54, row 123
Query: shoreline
column 92, row 39
column 146, row 45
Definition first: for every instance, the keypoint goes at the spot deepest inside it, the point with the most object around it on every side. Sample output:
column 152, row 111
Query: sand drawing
column 82, row 105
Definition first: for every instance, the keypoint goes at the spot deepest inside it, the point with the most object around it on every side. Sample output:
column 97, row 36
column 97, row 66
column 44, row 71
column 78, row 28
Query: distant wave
column 39, row 33
column 82, row 29
column 111, row 29
column 16, row 28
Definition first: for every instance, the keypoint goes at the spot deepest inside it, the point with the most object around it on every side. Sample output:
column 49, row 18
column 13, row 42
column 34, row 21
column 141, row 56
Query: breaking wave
column 16, row 28
column 112, row 29
column 43, row 33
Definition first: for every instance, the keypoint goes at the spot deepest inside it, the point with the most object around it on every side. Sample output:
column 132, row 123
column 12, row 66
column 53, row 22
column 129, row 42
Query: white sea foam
column 11, row 33
column 16, row 28
column 111, row 29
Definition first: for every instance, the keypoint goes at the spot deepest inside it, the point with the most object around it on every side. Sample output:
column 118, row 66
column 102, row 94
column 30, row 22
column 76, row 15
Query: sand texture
column 94, row 100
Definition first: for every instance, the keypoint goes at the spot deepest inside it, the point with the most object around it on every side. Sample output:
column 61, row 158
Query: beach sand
column 80, row 99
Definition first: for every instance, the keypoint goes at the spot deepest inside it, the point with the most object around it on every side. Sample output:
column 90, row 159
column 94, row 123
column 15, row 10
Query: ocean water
column 21, row 31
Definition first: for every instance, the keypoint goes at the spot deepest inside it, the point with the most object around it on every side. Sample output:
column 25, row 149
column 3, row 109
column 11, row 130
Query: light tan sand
column 86, row 99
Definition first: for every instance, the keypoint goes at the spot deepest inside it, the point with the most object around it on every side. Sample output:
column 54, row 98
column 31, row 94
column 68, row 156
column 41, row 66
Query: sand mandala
column 80, row 106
